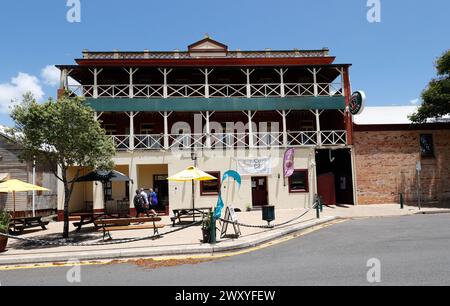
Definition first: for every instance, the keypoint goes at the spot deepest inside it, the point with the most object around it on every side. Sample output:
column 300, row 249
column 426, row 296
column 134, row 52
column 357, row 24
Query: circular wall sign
column 357, row 102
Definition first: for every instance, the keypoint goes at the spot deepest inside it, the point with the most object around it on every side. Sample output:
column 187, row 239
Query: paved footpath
column 187, row 241
column 410, row 250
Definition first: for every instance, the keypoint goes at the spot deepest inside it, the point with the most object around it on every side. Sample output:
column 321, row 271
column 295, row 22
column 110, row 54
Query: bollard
column 401, row 200
column 318, row 210
column 212, row 239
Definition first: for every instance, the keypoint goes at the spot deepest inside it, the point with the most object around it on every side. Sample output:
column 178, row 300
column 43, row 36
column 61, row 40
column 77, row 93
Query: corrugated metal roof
column 390, row 115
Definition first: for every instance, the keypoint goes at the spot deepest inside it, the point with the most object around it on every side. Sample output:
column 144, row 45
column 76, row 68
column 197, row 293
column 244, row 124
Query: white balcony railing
column 230, row 140
column 149, row 91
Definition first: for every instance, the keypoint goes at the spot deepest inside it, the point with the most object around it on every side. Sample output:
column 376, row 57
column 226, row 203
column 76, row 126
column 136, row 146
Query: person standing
column 145, row 205
column 153, row 199
column 139, row 203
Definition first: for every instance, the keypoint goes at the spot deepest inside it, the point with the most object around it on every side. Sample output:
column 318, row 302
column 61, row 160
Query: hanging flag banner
column 254, row 166
column 228, row 174
column 288, row 162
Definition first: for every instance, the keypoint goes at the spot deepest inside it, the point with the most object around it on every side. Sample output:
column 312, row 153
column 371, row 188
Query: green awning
column 215, row 104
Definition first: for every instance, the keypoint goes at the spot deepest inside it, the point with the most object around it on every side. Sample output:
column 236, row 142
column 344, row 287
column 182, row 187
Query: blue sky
column 392, row 60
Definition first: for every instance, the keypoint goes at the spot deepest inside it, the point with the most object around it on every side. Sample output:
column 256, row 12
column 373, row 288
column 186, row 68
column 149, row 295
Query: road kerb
column 227, row 246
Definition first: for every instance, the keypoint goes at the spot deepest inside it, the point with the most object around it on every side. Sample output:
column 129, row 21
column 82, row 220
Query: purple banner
column 288, row 162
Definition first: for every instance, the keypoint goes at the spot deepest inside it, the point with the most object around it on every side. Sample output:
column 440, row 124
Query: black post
column 317, row 210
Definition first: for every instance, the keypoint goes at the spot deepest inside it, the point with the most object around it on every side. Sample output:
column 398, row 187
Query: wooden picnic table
column 183, row 213
column 86, row 218
column 19, row 224
column 121, row 209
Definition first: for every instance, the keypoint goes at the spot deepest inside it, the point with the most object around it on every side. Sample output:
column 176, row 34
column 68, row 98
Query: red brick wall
column 386, row 165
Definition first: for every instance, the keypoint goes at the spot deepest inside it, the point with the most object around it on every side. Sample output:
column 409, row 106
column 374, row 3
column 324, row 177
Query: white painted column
column 165, row 73
column 314, row 72
column 341, row 71
column 33, row 181
column 60, row 191
column 285, row 138
column 281, row 72
column 132, row 170
column 250, row 129
column 319, row 135
column 206, row 72
column 131, row 116
column 96, row 72
column 208, row 128
column 247, row 73
column 131, row 72
column 98, row 196
column 166, row 129
column 316, row 86
column 63, row 79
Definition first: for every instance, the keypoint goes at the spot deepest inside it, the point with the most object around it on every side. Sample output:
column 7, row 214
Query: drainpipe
column 34, row 192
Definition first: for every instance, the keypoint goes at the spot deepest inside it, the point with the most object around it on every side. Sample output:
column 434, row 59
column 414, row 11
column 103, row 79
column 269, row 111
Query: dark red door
column 326, row 188
column 259, row 191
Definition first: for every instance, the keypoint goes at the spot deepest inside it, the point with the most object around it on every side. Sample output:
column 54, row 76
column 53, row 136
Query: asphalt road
column 412, row 250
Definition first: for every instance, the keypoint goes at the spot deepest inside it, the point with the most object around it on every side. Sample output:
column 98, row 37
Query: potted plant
column 4, row 228
column 206, row 229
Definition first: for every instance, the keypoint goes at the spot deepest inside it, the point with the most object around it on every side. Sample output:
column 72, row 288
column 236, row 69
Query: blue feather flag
column 228, row 174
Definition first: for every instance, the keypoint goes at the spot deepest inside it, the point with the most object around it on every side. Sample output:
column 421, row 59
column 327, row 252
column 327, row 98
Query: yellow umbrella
column 191, row 174
column 18, row 186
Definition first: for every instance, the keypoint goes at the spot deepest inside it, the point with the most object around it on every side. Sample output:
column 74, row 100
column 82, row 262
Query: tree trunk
column 66, row 210
column 67, row 194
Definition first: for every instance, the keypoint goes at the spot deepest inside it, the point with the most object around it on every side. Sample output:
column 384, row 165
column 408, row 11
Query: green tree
column 436, row 97
column 62, row 133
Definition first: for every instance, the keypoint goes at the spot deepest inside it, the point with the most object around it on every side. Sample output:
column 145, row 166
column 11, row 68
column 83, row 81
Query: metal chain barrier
column 118, row 241
column 127, row 240
column 270, row 226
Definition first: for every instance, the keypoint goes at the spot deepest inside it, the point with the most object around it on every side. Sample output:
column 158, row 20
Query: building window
column 426, row 145
column 210, row 187
column 298, row 181
column 107, row 187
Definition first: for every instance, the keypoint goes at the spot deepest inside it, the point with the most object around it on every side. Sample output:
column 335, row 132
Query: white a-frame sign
column 230, row 215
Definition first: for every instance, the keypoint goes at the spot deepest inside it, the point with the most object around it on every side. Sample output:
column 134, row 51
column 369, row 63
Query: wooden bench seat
column 123, row 224
column 133, row 227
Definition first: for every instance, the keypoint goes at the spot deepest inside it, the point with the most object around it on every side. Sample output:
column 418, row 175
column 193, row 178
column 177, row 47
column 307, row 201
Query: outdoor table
column 182, row 213
column 18, row 225
column 85, row 218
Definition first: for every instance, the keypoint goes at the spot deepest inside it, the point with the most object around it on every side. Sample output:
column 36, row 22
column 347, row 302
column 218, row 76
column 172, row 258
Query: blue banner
column 229, row 174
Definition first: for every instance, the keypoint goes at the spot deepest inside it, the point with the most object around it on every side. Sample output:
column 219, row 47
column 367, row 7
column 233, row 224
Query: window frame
column 210, row 193
column 306, row 189
column 432, row 153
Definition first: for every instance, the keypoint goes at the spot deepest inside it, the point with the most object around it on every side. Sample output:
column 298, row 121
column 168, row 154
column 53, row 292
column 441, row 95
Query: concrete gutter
column 227, row 246
column 433, row 212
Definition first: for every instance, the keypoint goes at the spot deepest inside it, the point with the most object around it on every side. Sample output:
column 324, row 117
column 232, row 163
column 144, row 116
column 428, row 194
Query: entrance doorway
column 259, row 191
column 334, row 176
column 161, row 187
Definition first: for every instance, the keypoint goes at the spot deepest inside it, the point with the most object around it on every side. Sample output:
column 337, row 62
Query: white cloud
column 414, row 101
column 50, row 75
column 11, row 92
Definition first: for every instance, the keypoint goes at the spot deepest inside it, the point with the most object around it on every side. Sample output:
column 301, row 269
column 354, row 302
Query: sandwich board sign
column 230, row 215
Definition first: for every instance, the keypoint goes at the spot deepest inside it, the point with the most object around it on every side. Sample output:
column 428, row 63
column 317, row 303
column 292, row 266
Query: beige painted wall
column 145, row 164
column 146, row 172
column 118, row 188
column 141, row 166
column 82, row 192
